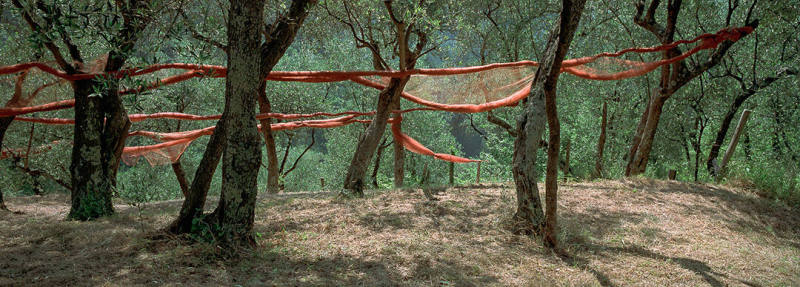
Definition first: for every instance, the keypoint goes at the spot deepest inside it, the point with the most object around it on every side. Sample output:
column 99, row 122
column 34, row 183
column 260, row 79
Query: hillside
column 632, row 232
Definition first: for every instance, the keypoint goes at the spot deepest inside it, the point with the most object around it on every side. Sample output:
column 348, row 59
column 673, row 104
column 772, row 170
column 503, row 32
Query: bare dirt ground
column 616, row 233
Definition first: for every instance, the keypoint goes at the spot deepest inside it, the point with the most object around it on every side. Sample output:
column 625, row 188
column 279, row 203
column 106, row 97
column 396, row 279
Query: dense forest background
column 757, row 73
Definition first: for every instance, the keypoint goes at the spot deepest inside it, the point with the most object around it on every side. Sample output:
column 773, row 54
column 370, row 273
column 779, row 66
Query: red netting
column 464, row 90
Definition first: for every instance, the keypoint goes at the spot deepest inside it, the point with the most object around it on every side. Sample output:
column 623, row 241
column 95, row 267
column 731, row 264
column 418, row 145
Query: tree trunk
column 565, row 169
column 177, row 168
column 639, row 164
column 101, row 126
column 637, row 137
column 450, row 174
column 273, row 175
column 194, row 203
column 399, row 153
column 280, row 38
column 4, row 124
column 601, row 144
column 270, row 52
column 241, row 155
column 529, row 218
column 711, row 162
column 377, row 165
column 734, row 141
column 368, row 142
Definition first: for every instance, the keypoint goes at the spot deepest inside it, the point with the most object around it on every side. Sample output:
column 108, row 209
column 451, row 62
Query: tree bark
column 193, row 204
column 733, row 143
column 232, row 221
column 368, row 142
column 4, row 124
column 399, row 152
column 281, row 36
column 101, row 126
column 177, row 168
column 637, row 136
column 601, row 144
column 673, row 76
column 639, row 164
column 529, row 218
column 377, row 165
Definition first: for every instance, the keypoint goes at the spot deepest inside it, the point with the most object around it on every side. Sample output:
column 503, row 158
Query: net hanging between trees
column 462, row 90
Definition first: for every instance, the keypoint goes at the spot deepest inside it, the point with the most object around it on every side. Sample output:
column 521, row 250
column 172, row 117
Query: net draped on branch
column 462, row 90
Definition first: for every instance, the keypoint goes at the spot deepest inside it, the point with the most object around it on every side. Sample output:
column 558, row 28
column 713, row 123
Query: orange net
column 464, row 90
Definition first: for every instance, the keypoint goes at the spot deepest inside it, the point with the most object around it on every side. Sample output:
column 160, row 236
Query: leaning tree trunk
column 195, row 201
column 637, row 137
column 529, row 217
column 368, row 142
column 232, row 221
column 639, row 163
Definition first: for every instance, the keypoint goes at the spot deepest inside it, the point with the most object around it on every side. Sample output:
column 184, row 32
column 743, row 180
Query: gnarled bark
column 529, row 218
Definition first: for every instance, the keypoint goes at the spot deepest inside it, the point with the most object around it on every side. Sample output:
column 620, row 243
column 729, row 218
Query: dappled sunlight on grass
column 627, row 232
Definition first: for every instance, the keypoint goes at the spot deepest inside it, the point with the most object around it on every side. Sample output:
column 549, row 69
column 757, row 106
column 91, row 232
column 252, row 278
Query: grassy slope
column 634, row 232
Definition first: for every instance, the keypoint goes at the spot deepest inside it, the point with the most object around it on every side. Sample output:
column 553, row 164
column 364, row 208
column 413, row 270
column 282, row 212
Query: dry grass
column 634, row 232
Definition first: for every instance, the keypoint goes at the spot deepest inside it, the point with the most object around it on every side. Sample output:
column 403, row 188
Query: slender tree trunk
column 723, row 132
column 273, row 175
column 637, row 137
column 241, row 156
column 450, row 173
column 601, row 144
column 399, row 153
column 177, row 168
column 280, row 38
column 377, row 165
column 529, row 218
column 648, row 135
column 567, row 150
column 368, row 142
column 733, row 143
column 194, row 203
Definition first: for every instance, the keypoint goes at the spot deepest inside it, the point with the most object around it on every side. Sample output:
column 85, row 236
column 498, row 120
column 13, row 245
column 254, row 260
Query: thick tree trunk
column 639, row 164
column 270, row 52
column 4, row 124
column 241, row 156
column 368, row 142
column 101, row 126
column 601, row 144
column 529, row 218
